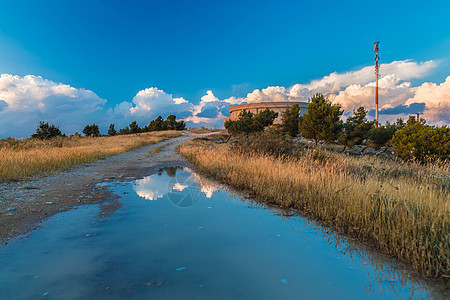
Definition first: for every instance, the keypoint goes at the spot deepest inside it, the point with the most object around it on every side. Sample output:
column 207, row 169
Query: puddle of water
column 175, row 234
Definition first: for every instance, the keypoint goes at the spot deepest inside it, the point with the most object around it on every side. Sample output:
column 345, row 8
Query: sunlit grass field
column 20, row 159
column 400, row 208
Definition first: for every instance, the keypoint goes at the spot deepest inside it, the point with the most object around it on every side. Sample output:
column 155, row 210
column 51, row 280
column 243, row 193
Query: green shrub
column 322, row 121
column 45, row 131
column 112, row 131
column 379, row 137
column 249, row 123
column 422, row 142
column 91, row 130
column 355, row 129
column 290, row 119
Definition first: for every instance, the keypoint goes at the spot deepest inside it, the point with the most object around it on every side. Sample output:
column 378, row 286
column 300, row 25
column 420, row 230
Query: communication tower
column 377, row 75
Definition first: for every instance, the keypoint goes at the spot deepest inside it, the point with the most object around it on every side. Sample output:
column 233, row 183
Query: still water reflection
column 176, row 235
column 183, row 189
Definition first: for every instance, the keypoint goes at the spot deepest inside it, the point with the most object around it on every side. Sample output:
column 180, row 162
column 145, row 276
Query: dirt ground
column 24, row 204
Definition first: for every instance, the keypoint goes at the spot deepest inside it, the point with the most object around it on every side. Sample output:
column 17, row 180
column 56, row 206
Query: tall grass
column 402, row 209
column 20, row 159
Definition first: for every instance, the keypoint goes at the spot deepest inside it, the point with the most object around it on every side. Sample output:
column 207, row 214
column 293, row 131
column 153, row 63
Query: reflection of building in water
column 165, row 181
column 256, row 108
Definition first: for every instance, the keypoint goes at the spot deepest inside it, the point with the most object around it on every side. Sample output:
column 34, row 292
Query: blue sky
column 185, row 48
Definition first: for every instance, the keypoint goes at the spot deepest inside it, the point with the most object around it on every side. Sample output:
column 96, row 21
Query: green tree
column 156, row 124
column 112, row 131
column 134, row 128
column 322, row 121
column 95, row 130
column 380, row 136
column 263, row 119
column 419, row 141
column 248, row 122
column 91, row 130
column 170, row 123
column 355, row 129
column 181, row 125
column 87, row 130
column 400, row 124
column 45, row 131
column 290, row 120
column 243, row 125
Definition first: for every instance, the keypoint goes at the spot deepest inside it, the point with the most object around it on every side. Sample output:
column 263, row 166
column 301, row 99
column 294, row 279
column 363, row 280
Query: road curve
column 24, row 204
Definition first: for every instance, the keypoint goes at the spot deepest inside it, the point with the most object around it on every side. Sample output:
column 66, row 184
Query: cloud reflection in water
column 165, row 183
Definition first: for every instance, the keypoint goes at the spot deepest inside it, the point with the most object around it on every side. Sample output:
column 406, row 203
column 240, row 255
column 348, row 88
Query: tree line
column 322, row 122
column 47, row 131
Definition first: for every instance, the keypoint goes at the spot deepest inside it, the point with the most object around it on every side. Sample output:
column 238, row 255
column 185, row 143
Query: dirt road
column 24, row 204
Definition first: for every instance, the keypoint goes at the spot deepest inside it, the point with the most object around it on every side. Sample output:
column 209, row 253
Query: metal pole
column 377, row 75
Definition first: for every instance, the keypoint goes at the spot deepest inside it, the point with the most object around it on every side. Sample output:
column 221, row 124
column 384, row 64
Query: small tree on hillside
column 125, row 130
column 170, row 123
column 290, row 120
column 45, row 131
column 112, row 131
column 181, row 125
column 87, row 130
column 91, row 130
column 321, row 122
column 355, row 129
column 156, row 124
column 134, row 128
column 95, row 130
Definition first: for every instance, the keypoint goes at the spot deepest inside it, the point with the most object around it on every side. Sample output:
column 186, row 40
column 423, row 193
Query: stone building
column 255, row 108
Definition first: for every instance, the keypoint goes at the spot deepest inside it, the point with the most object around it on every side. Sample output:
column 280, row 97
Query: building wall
column 255, row 108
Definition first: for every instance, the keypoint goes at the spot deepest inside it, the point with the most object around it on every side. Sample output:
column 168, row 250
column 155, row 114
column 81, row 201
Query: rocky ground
column 364, row 150
column 24, row 204
column 355, row 150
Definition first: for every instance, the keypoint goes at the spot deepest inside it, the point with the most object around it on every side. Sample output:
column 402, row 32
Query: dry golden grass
column 20, row 159
column 402, row 209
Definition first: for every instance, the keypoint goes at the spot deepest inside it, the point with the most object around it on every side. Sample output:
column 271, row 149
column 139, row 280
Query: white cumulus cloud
column 335, row 82
column 24, row 101
column 436, row 98
column 147, row 105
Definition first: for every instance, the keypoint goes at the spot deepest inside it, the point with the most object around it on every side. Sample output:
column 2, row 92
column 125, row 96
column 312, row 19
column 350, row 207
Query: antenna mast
column 377, row 75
